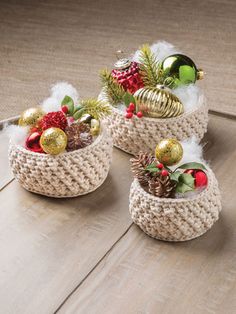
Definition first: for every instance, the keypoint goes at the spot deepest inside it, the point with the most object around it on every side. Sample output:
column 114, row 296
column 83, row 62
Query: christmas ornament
column 138, row 167
column 161, row 185
column 32, row 142
column 78, row 136
column 158, row 102
column 199, row 176
column 31, row 117
column 53, row 141
column 127, row 75
column 86, row 118
column 178, row 69
column 54, row 120
column 169, row 152
column 95, row 127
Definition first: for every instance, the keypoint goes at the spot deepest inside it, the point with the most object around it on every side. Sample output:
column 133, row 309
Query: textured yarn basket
column 175, row 219
column 65, row 175
column 135, row 135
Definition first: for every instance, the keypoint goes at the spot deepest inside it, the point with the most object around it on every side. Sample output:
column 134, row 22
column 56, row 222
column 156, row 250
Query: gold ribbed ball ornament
column 169, row 152
column 158, row 102
column 53, row 141
column 31, row 116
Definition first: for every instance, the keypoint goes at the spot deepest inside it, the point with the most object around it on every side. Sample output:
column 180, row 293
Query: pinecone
column 161, row 186
column 138, row 166
column 78, row 136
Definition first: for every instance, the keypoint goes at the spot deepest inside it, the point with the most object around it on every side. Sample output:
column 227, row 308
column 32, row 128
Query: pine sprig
column 148, row 66
column 114, row 91
column 96, row 108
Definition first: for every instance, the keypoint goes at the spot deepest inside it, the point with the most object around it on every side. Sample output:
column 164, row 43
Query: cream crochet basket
column 175, row 219
column 68, row 174
column 135, row 135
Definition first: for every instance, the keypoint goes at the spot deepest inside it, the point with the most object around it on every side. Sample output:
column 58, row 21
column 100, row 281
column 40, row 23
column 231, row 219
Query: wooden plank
column 143, row 275
column 6, row 175
column 44, row 49
column 49, row 245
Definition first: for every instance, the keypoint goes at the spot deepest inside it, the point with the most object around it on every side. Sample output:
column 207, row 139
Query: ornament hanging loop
column 119, row 54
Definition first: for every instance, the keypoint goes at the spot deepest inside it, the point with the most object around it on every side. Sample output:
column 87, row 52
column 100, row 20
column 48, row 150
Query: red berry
column 128, row 110
column 160, row 166
column 129, row 115
column 131, row 106
column 139, row 114
column 164, row 173
column 64, row 109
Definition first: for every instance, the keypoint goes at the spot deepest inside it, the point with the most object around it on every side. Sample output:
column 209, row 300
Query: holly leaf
column 185, row 183
column 193, row 165
column 128, row 98
column 78, row 114
column 174, row 176
column 152, row 168
column 68, row 101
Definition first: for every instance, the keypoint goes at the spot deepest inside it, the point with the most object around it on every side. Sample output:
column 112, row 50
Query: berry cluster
column 130, row 111
column 164, row 172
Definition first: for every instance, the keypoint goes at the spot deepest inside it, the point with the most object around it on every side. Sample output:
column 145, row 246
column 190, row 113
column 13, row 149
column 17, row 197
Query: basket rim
column 202, row 105
column 97, row 140
column 211, row 183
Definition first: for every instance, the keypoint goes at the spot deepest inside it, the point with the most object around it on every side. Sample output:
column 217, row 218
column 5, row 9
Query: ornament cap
column 200, row 74
column 122, row 64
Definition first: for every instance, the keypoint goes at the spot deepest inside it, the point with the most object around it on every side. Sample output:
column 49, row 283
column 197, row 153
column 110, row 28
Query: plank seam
column 93, row 268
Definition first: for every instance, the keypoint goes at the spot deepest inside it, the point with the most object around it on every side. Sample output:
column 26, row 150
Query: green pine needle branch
column 114, row 91
column 96, row 108
column 149, row 66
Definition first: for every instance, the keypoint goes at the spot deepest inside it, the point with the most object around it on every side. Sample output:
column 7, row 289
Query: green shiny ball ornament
column 178, row 70
column 169, row 152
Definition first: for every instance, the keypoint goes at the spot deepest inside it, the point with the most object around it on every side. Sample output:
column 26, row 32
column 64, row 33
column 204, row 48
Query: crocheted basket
column 66, row 175
column 135, row 135
column 175, row 219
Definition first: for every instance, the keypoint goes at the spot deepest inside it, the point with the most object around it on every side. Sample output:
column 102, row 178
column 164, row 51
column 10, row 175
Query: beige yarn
column 135, row 135
column 65, row 175
column 175, row 219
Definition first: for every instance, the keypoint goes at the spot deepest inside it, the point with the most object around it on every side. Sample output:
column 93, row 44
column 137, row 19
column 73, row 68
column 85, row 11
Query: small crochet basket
column 68, row 174
column 175, row 219
column 135, row 135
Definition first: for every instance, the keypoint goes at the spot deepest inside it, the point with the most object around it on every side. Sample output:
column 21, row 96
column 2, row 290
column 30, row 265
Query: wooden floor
column 84, row 255
column 43, row 41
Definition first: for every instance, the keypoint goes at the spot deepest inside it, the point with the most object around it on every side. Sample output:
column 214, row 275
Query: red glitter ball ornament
column 127, row 74
column 32, row 142
column 54, row 120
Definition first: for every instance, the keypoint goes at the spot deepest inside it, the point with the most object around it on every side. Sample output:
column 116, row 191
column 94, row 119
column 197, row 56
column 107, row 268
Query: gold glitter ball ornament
column 95, row 127
column 53, row 141
column 169, row 152
column 31, row 117
column 158, row 102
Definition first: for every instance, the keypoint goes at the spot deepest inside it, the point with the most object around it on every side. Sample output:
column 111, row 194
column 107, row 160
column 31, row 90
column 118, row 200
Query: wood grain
column 48, row 246
column 143, row 275
column 46, row 41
